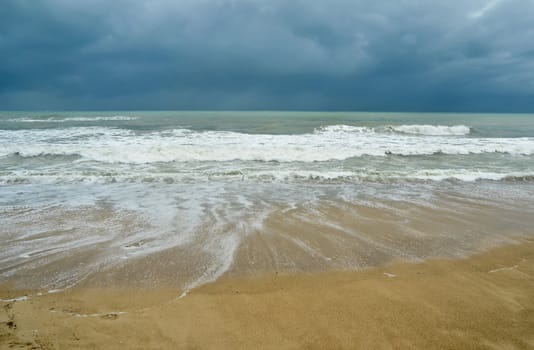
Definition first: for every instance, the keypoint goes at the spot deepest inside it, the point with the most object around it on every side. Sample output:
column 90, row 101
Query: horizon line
column 259, row 110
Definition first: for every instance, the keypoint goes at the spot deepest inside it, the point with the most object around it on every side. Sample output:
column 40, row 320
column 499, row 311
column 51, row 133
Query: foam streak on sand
column 185, row 236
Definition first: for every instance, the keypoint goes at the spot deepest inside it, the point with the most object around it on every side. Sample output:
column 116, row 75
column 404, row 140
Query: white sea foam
column 466, row 175
column 70, row 119
column 275, row 175
column 345, row 129
column 339, row 142
column 415, row 129
column 432, row 130
column 22, row 298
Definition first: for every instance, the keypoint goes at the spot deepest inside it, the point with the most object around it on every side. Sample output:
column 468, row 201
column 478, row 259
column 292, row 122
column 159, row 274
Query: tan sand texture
column 483, row 302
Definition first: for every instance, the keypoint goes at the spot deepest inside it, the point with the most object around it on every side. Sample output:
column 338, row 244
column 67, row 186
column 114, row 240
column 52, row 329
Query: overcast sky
column 404, row 55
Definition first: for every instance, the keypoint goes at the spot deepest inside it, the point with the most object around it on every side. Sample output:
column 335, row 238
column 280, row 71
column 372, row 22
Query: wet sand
column 482, row 302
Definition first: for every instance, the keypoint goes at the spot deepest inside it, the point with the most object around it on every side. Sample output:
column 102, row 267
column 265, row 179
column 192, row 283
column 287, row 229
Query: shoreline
column 483, row 301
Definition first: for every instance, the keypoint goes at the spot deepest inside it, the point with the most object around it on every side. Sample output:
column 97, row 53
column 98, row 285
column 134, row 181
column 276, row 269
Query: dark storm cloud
column 276, row 54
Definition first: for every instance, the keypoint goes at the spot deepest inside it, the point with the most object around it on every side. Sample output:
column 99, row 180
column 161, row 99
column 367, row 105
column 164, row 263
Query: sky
column 364, row 55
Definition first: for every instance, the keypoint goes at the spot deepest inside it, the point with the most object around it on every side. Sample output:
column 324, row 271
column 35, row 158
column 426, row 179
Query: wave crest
column 411, row 129
column 432, row 130
column 263, row 176
column 336, row 142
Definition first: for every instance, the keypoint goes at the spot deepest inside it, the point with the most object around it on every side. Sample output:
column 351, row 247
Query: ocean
column 182, row 198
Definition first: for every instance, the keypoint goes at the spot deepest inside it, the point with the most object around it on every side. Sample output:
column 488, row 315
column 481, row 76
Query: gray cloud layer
column 452, row 55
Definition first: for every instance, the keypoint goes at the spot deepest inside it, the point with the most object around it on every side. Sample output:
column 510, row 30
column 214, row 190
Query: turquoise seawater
column 258, row 122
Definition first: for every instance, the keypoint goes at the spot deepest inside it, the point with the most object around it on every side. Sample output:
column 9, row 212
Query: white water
column 70, row 119
column 282, row 176
column 337, row 142
column 433, row 130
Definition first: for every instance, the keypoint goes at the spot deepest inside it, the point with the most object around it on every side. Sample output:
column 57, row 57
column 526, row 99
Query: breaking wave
column 415, row 129
column 336, row 142
column 433, row 130
column 323, row 176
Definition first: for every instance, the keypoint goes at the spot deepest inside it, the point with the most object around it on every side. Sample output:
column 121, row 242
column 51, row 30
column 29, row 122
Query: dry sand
column 484, row 302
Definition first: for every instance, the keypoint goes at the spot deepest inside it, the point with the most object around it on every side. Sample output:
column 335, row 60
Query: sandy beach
column 483, row 302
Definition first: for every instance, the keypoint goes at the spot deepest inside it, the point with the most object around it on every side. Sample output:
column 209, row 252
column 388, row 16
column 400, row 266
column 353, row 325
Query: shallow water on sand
column 187, row 235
